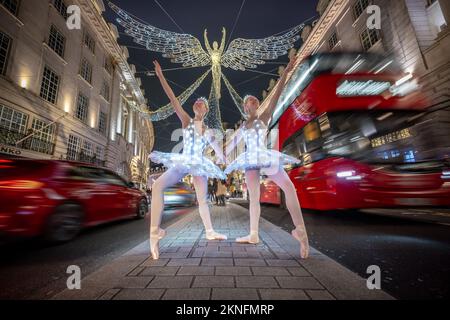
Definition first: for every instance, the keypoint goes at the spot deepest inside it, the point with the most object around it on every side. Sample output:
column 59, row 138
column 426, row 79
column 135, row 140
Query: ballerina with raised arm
column 258, row 158
column 196, row 136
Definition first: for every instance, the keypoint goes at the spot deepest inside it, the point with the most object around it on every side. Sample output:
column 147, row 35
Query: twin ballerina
column 255, row 160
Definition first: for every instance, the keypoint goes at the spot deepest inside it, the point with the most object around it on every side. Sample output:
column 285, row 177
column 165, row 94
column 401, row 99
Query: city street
column 414, row 257
column 32, row 270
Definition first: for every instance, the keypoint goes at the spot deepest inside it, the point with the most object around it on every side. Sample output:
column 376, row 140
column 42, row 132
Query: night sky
column 259, row 19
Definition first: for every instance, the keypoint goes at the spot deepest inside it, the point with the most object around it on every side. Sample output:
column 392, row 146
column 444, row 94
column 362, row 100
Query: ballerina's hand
column 158, row 69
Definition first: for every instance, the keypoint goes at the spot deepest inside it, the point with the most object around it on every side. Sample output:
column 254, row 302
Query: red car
column 57, row 199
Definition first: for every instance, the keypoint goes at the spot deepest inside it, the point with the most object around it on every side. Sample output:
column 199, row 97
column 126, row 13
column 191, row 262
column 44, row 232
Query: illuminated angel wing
column 245, row 54
column 181, row 48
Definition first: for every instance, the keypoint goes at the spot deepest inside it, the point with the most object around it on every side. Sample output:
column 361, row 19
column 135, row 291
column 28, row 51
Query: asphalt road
column 414, row 257
column 31, row 270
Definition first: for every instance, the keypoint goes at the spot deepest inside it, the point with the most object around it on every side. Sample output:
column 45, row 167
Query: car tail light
column 349, row 175
column 20, row 184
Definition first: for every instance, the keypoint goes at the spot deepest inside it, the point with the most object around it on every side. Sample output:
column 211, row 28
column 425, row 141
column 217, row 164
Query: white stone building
column 69, row 94
column 415, row 32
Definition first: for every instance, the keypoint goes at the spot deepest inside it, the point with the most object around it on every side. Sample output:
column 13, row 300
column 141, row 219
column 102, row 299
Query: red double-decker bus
column 364, row 135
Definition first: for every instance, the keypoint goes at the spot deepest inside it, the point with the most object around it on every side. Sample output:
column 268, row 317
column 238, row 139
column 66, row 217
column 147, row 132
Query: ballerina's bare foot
column 251, row 239
column 154, row 243
column 212, row 235
column 301, row 236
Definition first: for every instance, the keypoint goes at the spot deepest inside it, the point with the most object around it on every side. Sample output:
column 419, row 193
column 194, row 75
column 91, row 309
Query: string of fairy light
column 185, row 49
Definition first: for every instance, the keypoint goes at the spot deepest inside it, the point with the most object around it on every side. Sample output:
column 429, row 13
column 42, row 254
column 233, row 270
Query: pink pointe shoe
column 301, row 236
column 154, row 243
column 253, row 238
column 212, row 235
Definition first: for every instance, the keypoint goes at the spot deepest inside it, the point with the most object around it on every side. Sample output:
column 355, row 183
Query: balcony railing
column 10, row 138
column 84, row 158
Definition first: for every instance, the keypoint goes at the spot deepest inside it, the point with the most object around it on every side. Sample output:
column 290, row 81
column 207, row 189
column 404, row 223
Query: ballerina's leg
column 169, row 178
column 282, row 179
column 252, row 178
column 201, row 189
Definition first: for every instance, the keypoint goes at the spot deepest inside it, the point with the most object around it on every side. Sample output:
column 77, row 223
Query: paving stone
column 213, row 282
column 187, row 294
column 136, row 271
column 299, row 283
column 184, row 262
column 248, row 255
column 139, row 294
column 171, row 282
column 159, row 271
column 133, row 282
column 109, row 295
column 218, row 254
column 270, row 271
column 298, row 271
column 196, row 271
column 320, row 295
column 155, row 263
column 250, row 262
column 256, row 282
column 234, row 294
column 176, row 255
column 282, row 294
column 233, row 271
column 282, row 263
column 217, row 262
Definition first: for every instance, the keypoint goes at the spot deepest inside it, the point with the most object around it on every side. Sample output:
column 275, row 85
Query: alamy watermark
column 374, row 280
column 74, row 280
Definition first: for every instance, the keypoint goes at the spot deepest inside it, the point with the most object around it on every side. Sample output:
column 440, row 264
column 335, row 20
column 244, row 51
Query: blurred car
column 57, row 199
column 180, row 195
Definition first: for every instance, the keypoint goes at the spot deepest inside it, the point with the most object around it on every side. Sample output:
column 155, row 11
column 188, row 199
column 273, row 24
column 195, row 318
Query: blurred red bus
column 363, row 134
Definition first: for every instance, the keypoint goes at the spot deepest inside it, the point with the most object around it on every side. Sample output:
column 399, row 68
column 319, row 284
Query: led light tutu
column 257, row 156
column 191, row 161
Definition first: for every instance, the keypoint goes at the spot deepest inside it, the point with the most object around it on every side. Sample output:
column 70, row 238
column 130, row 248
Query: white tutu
column 192, row 160
column 200, row 167
column 257, row 156
column 260, row 159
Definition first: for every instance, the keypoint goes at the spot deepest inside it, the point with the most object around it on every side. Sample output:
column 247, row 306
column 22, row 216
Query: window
column 11, row 5
column 49, row 86
column 333, row 41
column 359, row 7
column 5, row 44
column 99, row 153
column 89, row 42
column 108, row 65
column 13, row 120
column 369, row 38
column 73, row 146
column 61, row 8
column 87, row 149
column 86, row 70
column 43, row 138
column 82, row 107
column 105, row 91
column 56, row 41
column 102, row 119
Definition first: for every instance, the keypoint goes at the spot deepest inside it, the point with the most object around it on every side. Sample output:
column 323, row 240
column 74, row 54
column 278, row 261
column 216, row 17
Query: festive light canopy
column 185, row 49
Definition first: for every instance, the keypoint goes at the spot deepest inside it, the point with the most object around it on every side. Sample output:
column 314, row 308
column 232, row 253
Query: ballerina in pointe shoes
column 258, row 158
column 192, row 161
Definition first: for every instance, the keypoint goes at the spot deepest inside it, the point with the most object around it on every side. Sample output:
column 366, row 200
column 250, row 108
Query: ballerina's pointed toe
column 154, row 243
column 302, row 237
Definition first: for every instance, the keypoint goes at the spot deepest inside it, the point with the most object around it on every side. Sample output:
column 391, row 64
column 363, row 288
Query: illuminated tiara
column 204, row 100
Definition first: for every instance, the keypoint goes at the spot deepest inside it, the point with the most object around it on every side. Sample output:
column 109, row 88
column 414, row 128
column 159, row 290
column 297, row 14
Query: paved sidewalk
column 192, row 268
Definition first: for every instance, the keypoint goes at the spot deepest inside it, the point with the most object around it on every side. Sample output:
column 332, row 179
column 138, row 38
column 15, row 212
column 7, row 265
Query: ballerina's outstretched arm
column 181, row 113
column 267, row 114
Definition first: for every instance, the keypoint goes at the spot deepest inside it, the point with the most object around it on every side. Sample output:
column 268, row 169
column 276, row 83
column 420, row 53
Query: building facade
column 414, row 32
column 69, row 93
